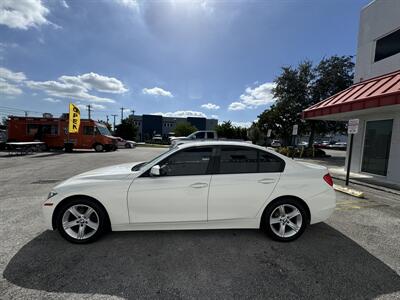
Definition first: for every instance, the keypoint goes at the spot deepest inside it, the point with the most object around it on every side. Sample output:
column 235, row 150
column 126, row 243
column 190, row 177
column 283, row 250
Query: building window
column 375, row 159
column 387, row 46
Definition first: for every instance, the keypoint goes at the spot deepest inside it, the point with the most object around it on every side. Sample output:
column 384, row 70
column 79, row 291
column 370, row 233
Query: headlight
column 51, row 194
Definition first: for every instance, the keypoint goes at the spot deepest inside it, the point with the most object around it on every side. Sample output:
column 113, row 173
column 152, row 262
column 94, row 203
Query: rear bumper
column 322, row 206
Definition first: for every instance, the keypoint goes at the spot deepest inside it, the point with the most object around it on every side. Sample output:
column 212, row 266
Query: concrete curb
column 349, row 191
column 368, row 185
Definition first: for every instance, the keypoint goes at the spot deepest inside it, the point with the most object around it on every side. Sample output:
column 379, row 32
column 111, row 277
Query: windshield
column 141, row 165
column 103, row 130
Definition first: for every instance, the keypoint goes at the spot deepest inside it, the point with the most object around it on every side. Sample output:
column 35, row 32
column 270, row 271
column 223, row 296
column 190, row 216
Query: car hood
column 115, row 172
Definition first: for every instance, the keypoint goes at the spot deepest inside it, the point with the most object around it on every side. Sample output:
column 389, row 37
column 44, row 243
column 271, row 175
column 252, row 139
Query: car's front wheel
column 285, row 220
column 81, row 221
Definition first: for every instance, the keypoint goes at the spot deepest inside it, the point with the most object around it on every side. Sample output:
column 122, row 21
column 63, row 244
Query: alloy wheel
column 80, row 221
column 286, row 220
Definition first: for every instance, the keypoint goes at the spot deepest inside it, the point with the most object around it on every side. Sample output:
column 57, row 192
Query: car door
column 246, row 178
column 179, row 194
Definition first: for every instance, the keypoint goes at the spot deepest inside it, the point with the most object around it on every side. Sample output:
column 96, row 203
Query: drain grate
column 45, row 181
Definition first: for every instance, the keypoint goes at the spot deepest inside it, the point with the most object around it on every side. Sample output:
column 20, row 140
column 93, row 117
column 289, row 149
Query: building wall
column 147, row 124
column 377, row 19
column 393, row 172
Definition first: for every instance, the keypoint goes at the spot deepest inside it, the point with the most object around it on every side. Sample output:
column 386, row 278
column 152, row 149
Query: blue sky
column 174, row 57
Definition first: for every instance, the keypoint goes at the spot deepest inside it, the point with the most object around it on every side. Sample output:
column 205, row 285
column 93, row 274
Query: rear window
column 236, row 160
column 269, row 163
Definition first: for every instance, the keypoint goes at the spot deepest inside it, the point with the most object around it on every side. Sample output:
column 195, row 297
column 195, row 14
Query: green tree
column 300, row 87
column 228, row 131
column 127, row 129
column 184, row 129
column 333, row 74
column 292, row 94
column 5, row 121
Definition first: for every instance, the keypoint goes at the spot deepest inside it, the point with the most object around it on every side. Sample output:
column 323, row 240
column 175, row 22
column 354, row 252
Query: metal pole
column 349, row 160
column 114, row 121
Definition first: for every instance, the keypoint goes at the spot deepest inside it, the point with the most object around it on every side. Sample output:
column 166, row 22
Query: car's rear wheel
column 128, row 145
column 285, row 220
column 81, row 221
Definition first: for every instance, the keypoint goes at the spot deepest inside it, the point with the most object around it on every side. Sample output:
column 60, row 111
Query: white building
column 374, row 99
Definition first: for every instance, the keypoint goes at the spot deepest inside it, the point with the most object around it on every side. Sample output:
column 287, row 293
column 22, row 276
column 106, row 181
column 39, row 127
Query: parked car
column 302, row 144
column 121, row 143
column 199, row 185
column 323, row 144
column 276, row 144
column 198, row 135
column 338, row 146
column 157, row 138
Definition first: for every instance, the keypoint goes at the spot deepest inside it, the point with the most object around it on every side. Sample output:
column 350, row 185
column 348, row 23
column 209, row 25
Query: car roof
column 219, row 143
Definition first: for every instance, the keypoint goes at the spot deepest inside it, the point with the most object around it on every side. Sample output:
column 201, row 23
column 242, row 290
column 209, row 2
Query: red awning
column 375, row 92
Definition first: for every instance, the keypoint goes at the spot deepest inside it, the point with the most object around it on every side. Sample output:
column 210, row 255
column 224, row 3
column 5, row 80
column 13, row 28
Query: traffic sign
column 295, row 129
column 352, row 127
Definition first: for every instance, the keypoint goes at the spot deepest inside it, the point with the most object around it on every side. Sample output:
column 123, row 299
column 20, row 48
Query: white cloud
column 7, row 74
column 214, row 117
column 8, row 88
column 210, row 106
column 182, row 114
column 242, row 124
column 254, row 97
column 64, row 3
column 52, row 100
column 156, row 91
column 22, row 14
column 78, row 87
column 94, row 106
column 132, row 4
column 236, row 106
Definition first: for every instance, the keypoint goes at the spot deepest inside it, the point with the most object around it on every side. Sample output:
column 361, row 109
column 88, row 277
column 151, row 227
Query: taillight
column 328, row 179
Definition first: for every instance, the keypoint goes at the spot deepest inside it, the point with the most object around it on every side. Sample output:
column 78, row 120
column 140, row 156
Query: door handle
column 266, row 180
column 199, row 185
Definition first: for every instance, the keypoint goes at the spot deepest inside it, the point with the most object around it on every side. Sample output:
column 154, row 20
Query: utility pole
column 122, row 113
column 89, row 108
column 133, row 112
column 114, row 121
column 107, row 118
column 26, row 113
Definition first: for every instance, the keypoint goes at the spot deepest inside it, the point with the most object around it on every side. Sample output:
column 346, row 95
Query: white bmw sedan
column 201, row 185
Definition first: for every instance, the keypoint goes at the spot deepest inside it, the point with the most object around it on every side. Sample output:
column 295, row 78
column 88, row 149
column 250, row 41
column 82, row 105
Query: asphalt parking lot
column 354, row 255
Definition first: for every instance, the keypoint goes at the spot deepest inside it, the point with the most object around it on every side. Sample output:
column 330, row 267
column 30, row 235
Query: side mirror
column 155, row 170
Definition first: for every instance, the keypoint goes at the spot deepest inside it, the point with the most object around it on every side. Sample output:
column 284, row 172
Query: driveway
column 354, row 255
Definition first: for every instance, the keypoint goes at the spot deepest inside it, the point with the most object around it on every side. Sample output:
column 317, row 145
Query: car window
column 88, row 130
column 200, row 135
column 192, row 161
column 268, row 163
column 238, row 160
column 210, row 135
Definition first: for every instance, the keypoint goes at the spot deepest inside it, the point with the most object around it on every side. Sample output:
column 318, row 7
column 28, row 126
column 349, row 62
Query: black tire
column 100, row 216
column 273, row 211
column 127, row 145
column 98, row 148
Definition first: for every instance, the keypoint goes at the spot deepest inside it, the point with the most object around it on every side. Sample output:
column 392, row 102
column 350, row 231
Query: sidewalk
column 336, row 168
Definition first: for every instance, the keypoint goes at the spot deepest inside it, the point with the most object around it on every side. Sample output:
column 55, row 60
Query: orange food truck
column 54, row 133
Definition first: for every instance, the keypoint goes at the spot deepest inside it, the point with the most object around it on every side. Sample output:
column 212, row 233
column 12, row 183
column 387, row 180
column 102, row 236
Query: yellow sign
column 74, row 118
